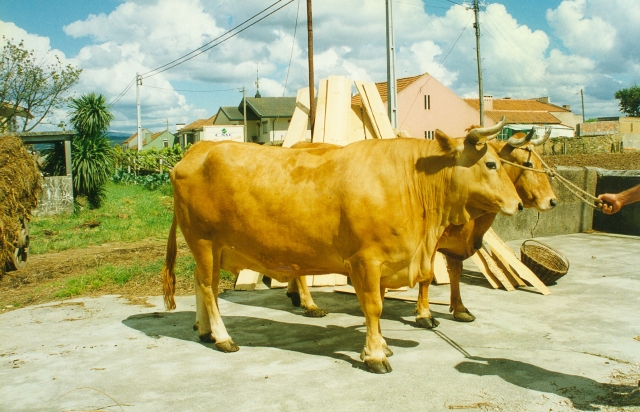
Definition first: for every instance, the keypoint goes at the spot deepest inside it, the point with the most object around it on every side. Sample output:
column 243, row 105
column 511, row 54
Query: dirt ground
column 28, row 286
column 610, row 161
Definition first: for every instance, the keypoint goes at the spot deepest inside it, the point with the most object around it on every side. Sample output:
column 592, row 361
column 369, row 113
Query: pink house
column 425, row 104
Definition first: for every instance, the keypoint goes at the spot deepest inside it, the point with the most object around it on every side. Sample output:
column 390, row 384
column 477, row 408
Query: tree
column 30, row 87
column 92, row 156
column 629, row 100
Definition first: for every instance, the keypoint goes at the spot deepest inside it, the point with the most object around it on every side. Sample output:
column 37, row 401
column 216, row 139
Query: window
column 429, row 134
column 165, row 143
column 427, row 102
column 265, row 127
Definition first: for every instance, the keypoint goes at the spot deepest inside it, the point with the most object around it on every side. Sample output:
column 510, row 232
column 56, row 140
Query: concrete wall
column 571, row 215
column 56, row 196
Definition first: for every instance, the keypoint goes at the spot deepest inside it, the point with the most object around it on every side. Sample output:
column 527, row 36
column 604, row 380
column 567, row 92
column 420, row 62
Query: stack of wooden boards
column 340, row 122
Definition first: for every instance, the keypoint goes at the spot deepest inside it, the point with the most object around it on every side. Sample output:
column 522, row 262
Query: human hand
column 610, row 203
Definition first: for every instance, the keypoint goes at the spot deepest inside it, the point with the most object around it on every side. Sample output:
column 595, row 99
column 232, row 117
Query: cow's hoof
column 379, row 367
column 465, row 316
column 315, row 313
column 207, row 338
column 427, row 323
column 295, row 298
column 387, row 351
column 227, row 346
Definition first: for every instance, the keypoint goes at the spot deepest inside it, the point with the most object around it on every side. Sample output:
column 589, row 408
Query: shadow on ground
column 327, row 341
column 344, row 303
column 583, row 392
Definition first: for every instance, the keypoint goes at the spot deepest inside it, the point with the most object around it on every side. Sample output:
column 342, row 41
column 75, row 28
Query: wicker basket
column 547, row 263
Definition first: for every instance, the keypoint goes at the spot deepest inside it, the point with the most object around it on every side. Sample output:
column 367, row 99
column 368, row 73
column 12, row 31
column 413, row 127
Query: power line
column 202, row 48
column 121, row 95
column 295, row 30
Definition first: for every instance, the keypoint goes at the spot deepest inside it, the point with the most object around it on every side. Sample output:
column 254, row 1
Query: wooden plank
column 495, row 270
column 300, row 121
column 323, row 280
column 247, row 280
column 524, row 272
column 276, row 284
column 482, row 265
column 337, row 115
column 375, row 110
column 440, row 272
column 507, row 269
column 360, row 125
column 339, row 280
column 400, row 289
column 321, row 108
column 396, row 296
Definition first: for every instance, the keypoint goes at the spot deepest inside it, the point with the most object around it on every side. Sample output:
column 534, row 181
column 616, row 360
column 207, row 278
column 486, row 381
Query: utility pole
column 244, row 111
column 582, row 99
column 476, row 25
column 312, row 109
column 392, row 108
column 138, row 84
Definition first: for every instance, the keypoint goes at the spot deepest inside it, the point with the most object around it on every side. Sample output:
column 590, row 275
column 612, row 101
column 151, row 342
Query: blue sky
column 530, row 49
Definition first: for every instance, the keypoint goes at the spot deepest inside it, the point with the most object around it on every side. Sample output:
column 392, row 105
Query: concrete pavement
column 576, row 349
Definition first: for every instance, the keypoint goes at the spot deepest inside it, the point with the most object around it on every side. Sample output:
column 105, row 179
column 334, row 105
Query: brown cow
column 459, row 242
column 373, row 210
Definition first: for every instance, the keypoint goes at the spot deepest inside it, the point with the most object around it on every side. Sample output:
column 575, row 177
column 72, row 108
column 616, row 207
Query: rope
column 586, row 197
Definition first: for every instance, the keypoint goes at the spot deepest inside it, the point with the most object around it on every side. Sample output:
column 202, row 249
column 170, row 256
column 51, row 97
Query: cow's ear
column 448, row 144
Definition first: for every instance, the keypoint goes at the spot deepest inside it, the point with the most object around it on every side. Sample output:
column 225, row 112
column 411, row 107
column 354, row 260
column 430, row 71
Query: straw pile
column 20, row 184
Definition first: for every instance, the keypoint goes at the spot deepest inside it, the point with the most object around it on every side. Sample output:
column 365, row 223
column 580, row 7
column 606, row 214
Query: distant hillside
column 118, row 137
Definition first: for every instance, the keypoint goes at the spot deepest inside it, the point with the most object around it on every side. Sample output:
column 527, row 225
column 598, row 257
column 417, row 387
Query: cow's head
column 533, row 187
column 478, row 179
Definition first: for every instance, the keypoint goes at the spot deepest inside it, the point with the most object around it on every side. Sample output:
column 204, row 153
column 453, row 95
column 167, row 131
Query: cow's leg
column 298, row 292
column 460, row 312
column 293, row 293
column 385, row 347
column 423, row 314
column 207, row 274
column 365, row 278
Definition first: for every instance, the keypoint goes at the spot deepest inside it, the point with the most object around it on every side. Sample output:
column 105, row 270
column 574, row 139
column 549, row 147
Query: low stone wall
column 584, row 145
column 571, row 215
column 56, row 196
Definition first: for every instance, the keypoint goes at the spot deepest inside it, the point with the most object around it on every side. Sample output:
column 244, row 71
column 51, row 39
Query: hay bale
column 20, row 185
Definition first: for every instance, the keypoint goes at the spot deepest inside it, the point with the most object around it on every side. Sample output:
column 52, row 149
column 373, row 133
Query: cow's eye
column 491, row 165
column 528, row 164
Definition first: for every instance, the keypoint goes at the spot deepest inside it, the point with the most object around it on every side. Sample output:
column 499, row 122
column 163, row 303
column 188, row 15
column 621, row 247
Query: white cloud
column 599, row 39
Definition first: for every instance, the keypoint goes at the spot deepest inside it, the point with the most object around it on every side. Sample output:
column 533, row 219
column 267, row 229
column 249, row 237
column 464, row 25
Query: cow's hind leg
column 366, row 281
column 208, row 318
column 460, row 312
column 300, row 295
column 423, row 314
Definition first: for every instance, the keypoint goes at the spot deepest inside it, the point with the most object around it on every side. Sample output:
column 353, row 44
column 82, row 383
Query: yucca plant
column 90, row 115
column 92, row 157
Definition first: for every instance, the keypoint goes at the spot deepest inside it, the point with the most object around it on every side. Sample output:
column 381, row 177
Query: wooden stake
column 524, row 272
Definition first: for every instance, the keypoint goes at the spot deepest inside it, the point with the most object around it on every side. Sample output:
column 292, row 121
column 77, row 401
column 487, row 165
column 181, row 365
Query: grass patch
column 129, row 213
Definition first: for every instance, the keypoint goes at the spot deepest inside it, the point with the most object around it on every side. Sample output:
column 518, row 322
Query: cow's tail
column 168, row 274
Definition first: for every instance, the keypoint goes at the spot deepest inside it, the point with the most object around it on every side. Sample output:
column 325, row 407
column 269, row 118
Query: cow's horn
column 481, row 134
column 513, row 141
column 540, row 140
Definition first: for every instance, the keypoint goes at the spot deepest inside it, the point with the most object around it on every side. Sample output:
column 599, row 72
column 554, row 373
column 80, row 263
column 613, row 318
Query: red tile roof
column 521, row 111
column 401, row 84
column 199, row 123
